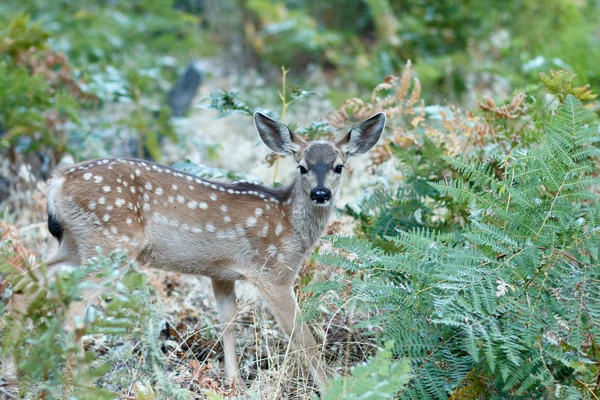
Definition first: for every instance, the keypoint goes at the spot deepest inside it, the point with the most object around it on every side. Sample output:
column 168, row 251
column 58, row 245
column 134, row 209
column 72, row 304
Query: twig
column 7, row 393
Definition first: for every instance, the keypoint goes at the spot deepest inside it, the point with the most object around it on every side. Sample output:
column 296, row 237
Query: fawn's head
column 320, row 162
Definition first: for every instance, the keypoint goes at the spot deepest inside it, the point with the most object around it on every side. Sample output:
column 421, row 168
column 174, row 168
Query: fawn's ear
column 277, row 136
column 363, row 136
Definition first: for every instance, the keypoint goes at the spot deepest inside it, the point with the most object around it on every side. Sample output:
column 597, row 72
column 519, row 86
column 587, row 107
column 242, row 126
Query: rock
column 182, row 94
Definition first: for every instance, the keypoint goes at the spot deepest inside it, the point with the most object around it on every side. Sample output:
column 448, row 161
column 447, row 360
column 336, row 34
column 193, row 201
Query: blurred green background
column 120, row 52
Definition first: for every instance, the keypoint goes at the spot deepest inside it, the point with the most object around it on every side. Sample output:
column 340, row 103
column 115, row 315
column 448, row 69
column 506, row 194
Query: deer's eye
column 338, row 169
column 303, row 170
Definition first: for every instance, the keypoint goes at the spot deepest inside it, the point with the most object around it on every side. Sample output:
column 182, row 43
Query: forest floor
column 189, row 331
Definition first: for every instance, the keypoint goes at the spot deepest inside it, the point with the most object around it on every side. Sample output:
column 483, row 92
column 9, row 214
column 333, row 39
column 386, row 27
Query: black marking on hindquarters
column 55, row 227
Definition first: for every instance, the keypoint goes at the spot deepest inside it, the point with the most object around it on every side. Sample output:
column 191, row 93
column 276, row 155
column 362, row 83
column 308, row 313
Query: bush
column 506, row 305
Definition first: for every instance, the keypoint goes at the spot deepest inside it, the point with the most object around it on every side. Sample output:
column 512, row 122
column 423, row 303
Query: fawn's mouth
column 325, row 203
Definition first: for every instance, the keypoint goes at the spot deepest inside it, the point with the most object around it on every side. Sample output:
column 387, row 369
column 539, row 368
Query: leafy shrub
column 48, row 358
column 379, row 378
column 508, row 304
column 37, row 91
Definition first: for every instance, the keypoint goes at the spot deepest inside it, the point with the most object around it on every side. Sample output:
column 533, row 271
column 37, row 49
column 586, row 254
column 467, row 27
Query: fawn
column 227, row 231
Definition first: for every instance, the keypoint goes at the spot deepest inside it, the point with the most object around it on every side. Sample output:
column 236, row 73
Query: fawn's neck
column 309, row 221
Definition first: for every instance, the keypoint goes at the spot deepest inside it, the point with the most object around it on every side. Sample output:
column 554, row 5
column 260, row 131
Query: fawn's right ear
column 277, row 136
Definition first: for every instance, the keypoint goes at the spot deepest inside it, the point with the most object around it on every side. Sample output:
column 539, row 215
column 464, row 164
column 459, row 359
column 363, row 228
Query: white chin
column 326, row 204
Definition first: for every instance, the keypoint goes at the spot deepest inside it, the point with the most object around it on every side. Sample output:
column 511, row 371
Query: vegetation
column 463, row 260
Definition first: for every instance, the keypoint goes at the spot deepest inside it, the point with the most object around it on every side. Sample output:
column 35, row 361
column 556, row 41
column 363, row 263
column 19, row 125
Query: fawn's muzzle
column 320, row 195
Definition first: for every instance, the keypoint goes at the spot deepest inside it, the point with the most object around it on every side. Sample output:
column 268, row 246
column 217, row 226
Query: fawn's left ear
column 277, row 136
column 363, row 136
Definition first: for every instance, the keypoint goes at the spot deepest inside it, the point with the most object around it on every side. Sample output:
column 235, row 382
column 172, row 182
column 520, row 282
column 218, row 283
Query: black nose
column 320, row 195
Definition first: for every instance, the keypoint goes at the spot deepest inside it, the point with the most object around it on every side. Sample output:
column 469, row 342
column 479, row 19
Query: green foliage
column 379, row 378
column 49, row 359
column 513, row 294
column 33, row 110
column 142, row 119
column 21, row 35
column 227, row 102
column 560, row 83
column 287, row 36
column 111, row 32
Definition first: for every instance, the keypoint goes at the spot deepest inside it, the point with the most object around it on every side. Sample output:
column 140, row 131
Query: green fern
column 379, row 378
column 509, row 302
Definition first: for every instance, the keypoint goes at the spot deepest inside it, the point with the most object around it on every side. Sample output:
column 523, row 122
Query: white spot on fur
column 223, row 208
column 278, row 229
column 213, row 197
column 109, row 208
column 146, row 207
column 137, row 172
column 148, row 186
column 129, row 221
column 171, row 199
column 203, row 205
column 174, row 187
column 210, row 227
column 251, row 222
column 180, row 199
column 98, row 179
column 192, row 204
column 101, row 200
column 119, row 202
column 106, row 217
column 132, row 189
column 265, row 230
column 258, row 212
column 119, row 190
column 190, row 187
column 113, row 230
column 158, row 191
column 87, row 176
column 92, row 205
column 106, row 188
column 240, row 229
column 227, row 218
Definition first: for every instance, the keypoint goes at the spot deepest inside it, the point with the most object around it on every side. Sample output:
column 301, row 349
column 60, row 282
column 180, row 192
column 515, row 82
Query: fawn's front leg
column 224, row 292
column 282, row 300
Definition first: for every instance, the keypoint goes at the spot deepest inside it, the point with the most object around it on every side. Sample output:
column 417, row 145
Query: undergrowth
column 504, row 304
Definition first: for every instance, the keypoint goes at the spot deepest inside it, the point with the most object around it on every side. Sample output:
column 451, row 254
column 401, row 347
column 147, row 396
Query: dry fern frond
column 404, row 82
column 394, row 96
column 513, row 110
column 54, row 67
column 19, row 255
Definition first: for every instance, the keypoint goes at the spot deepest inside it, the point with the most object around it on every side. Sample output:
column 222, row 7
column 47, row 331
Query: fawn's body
column 175, row 221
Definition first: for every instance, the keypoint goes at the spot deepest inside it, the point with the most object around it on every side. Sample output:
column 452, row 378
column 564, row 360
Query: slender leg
column 227, row 309
column 284, row 306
